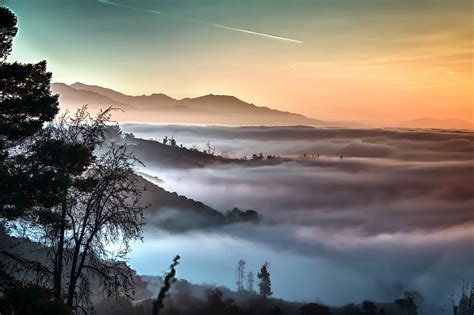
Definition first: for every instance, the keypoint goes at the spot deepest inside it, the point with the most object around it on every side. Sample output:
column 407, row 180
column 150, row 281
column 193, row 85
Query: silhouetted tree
column 169, row 279
column 314, row 309
column 100, row 206
column 216, row 306
column 369, row 308
column 250, row 281
column 236, row 215
column 172, row 142
column 275, row 310
column 8, row 31
column 36, row 169
column 31, row 299
column 265, row 285
column 26, row 104
column 465, row 303
column 210, row 149
column 350, row 309
column 410, row 303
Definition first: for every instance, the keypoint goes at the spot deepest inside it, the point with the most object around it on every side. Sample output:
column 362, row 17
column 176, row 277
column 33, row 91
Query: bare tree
column 88, row 235
column 210, row 149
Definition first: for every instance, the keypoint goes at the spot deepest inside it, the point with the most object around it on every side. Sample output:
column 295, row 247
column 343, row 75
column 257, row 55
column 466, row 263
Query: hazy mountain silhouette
column 70, row 95
column 142, row 100
column 448, row 123
column 209, row 109
column 160, row 108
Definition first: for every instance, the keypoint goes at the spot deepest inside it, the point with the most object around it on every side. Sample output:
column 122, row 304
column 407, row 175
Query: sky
column 363, row 60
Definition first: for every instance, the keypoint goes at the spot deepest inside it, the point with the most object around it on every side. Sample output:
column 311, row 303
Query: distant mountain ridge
column 212, row 110
column 446, row 123
column 161, row 108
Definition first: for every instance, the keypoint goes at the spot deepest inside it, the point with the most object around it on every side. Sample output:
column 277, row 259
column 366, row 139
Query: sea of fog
column 395, row 213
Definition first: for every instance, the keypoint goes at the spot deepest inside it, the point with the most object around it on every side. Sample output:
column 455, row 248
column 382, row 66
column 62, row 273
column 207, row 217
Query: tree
column 26, row 103
column 314, row 309
column 265, row 285
column 250, row 281
column 172, row 142
column 369, row 308
column 30, row 299
column 33, row 167
column 239, row 275
column 102, row 208
column 351, row 309
column 216, row 306
column 65, row 185
column 410, row 303
column 8, row 31
column 210, row 149
column 465, row 303
column 169, row 278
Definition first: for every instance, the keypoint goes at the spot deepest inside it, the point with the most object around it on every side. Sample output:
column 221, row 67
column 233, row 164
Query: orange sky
column 375, row 61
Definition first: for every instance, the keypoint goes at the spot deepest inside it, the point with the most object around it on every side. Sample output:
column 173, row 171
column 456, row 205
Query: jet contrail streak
column 257, row 33
column 157, row 12
column 206, row 23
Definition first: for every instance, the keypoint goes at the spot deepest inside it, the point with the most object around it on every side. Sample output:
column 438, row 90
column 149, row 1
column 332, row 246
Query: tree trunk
column 72, row 276
column 58, row 267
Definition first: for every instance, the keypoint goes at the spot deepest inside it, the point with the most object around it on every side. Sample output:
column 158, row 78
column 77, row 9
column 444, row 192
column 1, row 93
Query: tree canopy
column 65, row 189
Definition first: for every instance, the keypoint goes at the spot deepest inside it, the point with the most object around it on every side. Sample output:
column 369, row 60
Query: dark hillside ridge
column 170, row 211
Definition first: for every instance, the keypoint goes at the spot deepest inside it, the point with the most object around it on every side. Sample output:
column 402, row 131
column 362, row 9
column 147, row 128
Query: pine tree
column 265, row 285
column 26, row 103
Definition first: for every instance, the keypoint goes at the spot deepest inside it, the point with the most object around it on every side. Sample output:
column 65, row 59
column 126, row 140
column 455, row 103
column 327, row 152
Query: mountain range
column 211, row 110
column 160, row 108
column 427, row 122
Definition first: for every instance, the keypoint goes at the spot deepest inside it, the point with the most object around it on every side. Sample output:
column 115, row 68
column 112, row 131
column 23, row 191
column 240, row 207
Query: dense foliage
column 66, row 196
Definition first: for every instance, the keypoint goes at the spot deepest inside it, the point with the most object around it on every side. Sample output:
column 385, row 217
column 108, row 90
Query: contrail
column 257, row 33
column 206, row 23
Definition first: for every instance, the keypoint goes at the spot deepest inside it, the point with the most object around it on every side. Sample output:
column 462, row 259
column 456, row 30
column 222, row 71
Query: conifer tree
column 265, row 285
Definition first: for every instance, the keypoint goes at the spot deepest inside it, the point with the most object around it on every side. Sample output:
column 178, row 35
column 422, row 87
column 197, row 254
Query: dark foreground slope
column 203, row 299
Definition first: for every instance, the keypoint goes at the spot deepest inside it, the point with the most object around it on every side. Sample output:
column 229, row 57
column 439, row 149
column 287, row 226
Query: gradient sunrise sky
column 364, row 60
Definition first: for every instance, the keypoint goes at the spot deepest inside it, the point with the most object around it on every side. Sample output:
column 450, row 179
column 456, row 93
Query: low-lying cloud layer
column 417, row 145
column 397, row 212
